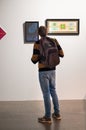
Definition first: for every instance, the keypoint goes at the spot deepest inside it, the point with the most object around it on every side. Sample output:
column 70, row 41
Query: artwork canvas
column 62, row 26
column 31, row 31
column 2, row 33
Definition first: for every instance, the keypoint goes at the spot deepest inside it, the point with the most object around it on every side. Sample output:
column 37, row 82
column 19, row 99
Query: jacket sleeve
column 61, row 53
column 36, row 53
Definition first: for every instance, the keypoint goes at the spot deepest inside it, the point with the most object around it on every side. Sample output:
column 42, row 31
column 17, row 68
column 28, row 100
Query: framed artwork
column 62, row 26
column 31, row 31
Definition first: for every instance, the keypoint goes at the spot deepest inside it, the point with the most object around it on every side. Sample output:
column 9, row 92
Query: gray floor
column 23, row 115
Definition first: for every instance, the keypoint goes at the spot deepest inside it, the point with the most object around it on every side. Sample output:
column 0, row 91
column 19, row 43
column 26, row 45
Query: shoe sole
column 57, row 118
column 49, row 122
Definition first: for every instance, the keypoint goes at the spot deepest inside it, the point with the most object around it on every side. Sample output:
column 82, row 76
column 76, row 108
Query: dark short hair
column 42, row 31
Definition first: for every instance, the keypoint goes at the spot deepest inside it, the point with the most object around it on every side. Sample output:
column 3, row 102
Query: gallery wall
column 18, row 76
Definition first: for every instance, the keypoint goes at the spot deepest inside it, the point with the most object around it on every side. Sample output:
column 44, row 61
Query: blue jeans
column 47, row 83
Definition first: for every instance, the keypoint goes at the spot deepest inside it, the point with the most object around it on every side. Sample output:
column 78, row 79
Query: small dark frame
column 62, row 26
column 31, row 31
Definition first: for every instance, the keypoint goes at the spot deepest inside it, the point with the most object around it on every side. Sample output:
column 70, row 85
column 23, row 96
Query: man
column 47, row 79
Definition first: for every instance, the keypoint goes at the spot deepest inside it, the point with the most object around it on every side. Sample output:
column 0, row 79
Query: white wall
column 18, row 76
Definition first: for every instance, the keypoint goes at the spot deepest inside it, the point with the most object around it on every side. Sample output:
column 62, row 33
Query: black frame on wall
column 62, row 26
column 31, row 31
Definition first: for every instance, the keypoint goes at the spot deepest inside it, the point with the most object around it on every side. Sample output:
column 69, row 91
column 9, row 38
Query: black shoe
column 56, row 116
column 45, row 120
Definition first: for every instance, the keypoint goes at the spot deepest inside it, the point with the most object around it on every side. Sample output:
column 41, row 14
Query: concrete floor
column 22, row 115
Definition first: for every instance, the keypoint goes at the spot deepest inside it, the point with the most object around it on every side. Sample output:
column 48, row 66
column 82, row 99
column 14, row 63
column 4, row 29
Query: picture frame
column 31, row 31
column 62, row 26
